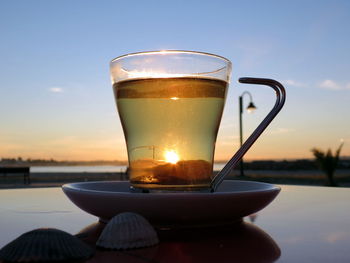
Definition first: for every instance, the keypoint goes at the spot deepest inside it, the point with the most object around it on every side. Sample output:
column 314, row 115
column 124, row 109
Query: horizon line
column 126, row 161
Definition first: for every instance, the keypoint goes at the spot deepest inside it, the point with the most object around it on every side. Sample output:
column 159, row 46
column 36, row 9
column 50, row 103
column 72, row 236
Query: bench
column 17, row 170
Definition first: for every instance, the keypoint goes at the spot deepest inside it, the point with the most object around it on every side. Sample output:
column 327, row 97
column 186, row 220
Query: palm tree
column 327, row 162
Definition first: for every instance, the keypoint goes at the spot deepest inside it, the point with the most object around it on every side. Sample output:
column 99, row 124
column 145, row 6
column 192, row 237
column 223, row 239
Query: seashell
column 45, row 244
column 127, row 230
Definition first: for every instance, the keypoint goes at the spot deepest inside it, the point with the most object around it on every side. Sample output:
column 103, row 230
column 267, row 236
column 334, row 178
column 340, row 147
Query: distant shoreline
column 42, row 162
column 17, row 163
column 299, row 164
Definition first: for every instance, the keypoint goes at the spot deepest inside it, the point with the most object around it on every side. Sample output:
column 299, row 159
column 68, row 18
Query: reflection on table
column 240, row 242
column 303, row 224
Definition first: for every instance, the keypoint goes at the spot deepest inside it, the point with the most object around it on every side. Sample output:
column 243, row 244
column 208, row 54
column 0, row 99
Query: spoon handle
column 280, row 99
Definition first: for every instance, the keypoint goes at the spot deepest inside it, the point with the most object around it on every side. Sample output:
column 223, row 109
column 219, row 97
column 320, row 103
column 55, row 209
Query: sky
column 56, row 99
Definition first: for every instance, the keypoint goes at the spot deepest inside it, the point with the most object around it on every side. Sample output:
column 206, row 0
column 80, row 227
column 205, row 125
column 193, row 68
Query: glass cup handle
column 280, row 99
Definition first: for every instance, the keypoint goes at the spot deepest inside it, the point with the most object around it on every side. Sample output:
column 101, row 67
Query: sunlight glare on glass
column 150, row 74
column 171, row 157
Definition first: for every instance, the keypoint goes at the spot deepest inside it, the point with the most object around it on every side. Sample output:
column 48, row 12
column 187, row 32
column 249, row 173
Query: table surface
column 303, row 224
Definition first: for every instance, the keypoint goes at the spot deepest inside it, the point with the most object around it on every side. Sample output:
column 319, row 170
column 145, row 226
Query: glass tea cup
column 170, row 104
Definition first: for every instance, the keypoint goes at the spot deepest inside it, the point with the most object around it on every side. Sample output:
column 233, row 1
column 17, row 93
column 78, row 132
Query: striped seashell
column 45, row 245
column 126, row 231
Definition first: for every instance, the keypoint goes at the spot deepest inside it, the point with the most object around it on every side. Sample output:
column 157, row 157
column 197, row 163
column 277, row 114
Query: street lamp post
column 251, row 107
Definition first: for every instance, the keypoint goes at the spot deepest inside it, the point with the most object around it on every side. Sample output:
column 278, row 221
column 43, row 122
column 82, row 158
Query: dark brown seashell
column 45, row 245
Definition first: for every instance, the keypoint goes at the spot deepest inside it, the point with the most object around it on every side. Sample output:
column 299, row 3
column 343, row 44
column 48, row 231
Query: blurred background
column 56, row 99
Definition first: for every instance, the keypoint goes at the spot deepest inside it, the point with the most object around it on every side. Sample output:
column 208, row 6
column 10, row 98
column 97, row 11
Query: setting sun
column 171, row 157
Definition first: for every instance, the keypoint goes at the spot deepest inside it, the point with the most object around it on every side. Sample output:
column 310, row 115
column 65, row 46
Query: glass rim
column 170, row 51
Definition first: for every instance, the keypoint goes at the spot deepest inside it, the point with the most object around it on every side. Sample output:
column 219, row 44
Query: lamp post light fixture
column 250, row 109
